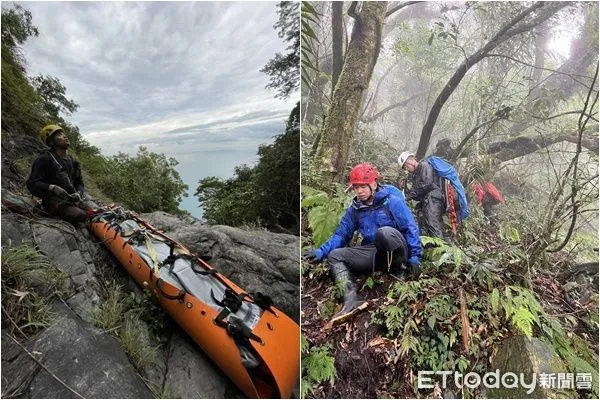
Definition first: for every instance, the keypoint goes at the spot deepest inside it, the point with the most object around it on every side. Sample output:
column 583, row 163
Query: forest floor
column 369, row 365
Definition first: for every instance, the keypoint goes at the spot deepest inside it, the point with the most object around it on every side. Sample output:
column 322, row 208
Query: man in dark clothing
column 427, row 190
column 443, row 148
column 390, row 237
column 56, row 178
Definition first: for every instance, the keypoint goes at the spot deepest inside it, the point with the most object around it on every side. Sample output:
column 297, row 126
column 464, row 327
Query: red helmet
column 363, row 174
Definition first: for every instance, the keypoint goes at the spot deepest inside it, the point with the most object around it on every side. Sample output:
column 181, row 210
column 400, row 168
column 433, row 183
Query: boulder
column 191, row 374
column 519, row 354
column 88, row 361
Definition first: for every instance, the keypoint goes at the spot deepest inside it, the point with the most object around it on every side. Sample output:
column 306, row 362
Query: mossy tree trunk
column 340, row 123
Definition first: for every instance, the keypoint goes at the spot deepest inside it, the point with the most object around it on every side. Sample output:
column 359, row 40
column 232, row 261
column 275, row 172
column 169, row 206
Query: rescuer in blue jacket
column 390, row 236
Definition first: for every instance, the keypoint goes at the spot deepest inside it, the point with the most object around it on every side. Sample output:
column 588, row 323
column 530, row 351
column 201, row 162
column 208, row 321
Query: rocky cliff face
column 76, row 358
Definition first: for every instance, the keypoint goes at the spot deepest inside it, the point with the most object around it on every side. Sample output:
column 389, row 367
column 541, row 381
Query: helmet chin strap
column 371, row 190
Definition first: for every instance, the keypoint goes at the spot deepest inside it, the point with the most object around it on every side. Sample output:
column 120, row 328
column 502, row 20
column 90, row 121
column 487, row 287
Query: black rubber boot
column 415, row 271
column 352, row 301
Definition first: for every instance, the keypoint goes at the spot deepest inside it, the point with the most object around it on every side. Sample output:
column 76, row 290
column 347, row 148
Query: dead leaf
column 377, row 341
column 348, row 332
column 481, row 328
column 17, row 293
column 437, row 392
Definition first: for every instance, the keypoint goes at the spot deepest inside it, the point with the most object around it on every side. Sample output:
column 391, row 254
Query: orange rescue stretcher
column 254, row 343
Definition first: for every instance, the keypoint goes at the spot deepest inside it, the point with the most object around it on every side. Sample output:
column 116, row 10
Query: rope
column 35, row 359
column 452, row 210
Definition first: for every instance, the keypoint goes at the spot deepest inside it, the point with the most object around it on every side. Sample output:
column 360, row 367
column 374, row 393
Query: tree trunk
column 340, row 123
column 541, row 44
column 509, row 30
column 337, row 41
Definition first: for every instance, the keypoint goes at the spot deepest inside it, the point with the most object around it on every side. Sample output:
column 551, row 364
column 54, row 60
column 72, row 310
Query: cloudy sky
column 180, row 78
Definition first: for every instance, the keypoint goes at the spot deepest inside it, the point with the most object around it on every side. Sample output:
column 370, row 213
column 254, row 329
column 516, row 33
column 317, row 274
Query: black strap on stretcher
column 235, row 327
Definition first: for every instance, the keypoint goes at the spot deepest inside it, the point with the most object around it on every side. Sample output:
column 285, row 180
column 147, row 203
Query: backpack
column 493, row 193
column 20, row 204
column 455, row 192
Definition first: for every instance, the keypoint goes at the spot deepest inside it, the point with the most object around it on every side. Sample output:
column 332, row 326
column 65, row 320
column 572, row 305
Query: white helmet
column 403, row 157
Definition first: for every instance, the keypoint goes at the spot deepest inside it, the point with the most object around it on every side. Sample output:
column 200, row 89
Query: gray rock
column 191, row 374
column 60, row 245
column 85, row 304
column 521, row 355
column 15, row 230
column 89, row 362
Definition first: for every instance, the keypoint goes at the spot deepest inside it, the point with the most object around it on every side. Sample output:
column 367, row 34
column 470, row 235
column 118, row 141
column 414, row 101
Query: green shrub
column 145, row 182
column 28, row 310
column 318, row 366
column 324, row 212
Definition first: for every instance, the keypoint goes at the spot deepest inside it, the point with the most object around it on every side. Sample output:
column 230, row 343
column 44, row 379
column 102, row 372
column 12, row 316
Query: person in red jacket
column 487, row 196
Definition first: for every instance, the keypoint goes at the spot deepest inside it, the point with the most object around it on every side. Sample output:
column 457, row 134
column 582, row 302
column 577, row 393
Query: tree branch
column 376, row 92
column 574, row 185
column 523, row 145
column 578, row 112
column 505, row 33
column 533, row 66
column 458, row 150
column 399, row 7
column 391, row 107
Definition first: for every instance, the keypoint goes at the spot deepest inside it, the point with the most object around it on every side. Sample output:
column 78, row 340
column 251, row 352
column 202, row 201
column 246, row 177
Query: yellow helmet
column 48, row 130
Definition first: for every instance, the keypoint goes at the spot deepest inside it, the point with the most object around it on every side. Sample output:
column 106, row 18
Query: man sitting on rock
column 56, row 178
column 390, row 237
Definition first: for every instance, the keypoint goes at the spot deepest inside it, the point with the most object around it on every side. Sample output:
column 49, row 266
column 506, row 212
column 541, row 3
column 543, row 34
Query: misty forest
column 508, row 93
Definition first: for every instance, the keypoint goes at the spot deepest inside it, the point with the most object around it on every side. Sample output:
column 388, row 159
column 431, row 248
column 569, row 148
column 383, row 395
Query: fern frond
column 408, row 344
column 523, row 320
column 320, row 366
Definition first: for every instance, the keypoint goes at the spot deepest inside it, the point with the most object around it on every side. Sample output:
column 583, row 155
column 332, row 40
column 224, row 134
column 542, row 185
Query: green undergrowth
column 318, row 366
column 323, row 211
column 119, row 316
column 490, row 269
column 29, row 282
column 425, row 315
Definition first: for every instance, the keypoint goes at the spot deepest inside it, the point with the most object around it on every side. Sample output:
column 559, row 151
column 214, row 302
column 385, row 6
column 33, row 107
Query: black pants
column 487, row 209
column 390, row 245
column 67, row 210
column 431, row 218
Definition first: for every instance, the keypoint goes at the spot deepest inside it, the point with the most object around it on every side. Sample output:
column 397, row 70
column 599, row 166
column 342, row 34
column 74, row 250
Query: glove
column 415, row 270
column 76, row 197
column 309, row 255
column 60, row 192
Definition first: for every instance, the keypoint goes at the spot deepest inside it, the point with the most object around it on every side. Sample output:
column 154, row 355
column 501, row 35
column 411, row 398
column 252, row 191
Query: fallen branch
column 464, row 320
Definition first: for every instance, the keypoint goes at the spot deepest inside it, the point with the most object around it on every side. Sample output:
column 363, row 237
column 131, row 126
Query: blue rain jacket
column 394, row 191
column 370, row 218
column 445, row 170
